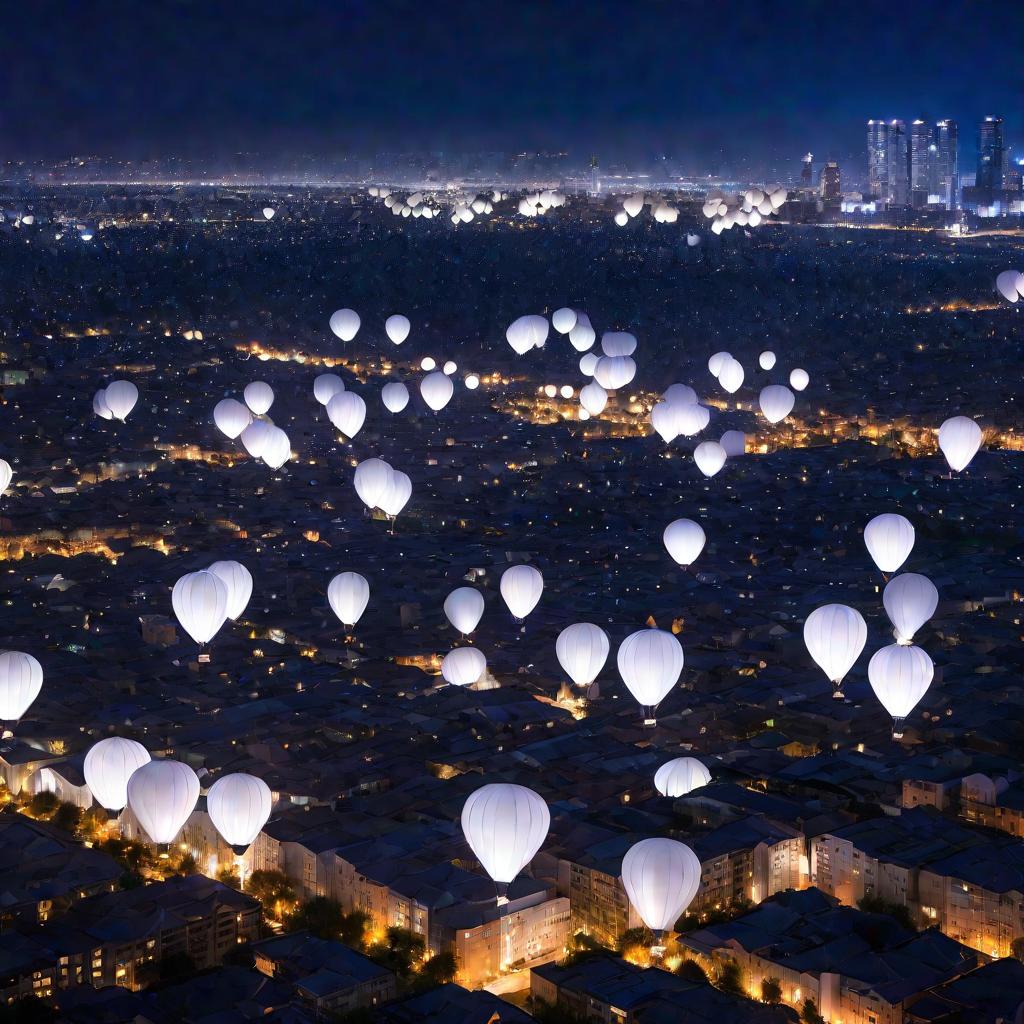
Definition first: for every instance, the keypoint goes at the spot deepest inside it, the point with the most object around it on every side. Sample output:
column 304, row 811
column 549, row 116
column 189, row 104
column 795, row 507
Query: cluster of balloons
column 381, row 487
column 116, row 400
column 747, row 209
column 203, row 601
column 536, row 204
column 162, row 794
column 1010, row 284
column 835, row 634
column 250, row 424
column 662, row 211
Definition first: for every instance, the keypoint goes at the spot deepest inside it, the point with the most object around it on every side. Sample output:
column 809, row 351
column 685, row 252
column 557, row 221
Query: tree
column 400, row 950
column 93, row 822
column 274, row 891
column 691, row 971
column 809, row 1013
column 876, row 905
column 730, row 978
column 43, row 805
column 771, row 991
column 582, row 947
column 633, row 937
column 353, row 928
column 183, row 863
column 230, row 876
column 134, row 857
column 68, row 817
column 319, row 916
column 438, row 970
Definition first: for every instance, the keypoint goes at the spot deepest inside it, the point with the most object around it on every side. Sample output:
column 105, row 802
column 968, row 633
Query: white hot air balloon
column 278, row 449
column 472, row 381
column 959, row 439
column 326, row 386
column 372, row 479
column 681, row 776
column 614, row 372
column 21, row 679
column 397, row 328
column 564, row 320
column 6, row 475
column 108, row 766
column 1008, row 285
column 99, row 405
column 900, row 676
column 661, row 877
column 505, row 825
column 239, row 806
column 582, row 336
column 463, row 666
column 766, row 360
column 588, row 364
column 621, row 218
column 345, row 323
column 268, row 212
column 200, row 602
column 650, row 662
column 665, row 420
column 680, row 394
column 521, row 587
column 634, row 204
column 231, row 417
column 593, row 398
column 710, row 457
column 395, row 396
column 348, row 594
column 889, row 539
column 397, row 495
column 731, row 375
column 162, row 795
column 437, row 390
column 910, row 600
column 734, row 442
column 255, row 437
column 618, row 343
column 684, row 540
column 259, row 396
column 530, row 331
column 582, row 649
column 776, row 402
column 347, row 411
column 238, row 580
column 449, row 367
column 464, row 608
column 835, row 635
column 692, row 419
column 799, row 379
column 121, row 396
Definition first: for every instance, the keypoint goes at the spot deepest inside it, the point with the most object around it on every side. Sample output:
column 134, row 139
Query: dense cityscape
column 485, row 585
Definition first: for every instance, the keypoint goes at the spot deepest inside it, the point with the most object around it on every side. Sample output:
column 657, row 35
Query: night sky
column 627, row 79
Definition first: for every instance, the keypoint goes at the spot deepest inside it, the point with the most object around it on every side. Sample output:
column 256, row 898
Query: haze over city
column 511, row 514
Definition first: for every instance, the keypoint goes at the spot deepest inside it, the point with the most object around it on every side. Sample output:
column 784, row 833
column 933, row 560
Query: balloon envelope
column 650, row 662
column 345, row 323
column 799, row 379
column 395, row 396
column 910, row 600
column 347, row 411
column 239, row 806
column 162, row 795
column 463, row 666
column 259, row 396
column 900, row 676
column 238, row 580
column 889, row 539
column 231, row 417
column 776, row 402
column 959, row 439
column 835, row 635
column 464, row 608
column 564, row 320
column 21, row 679
column 681, row 776
column 505, row 825
column 200, row 602
column 326, row 386
column 684, row 540
column 582, row 649
column 109, row 765
column 121, row 397
column 397, row 328
column 521, row 587
column 437, row 390
column 661, row 877
column 348, row 595
column 710, row 457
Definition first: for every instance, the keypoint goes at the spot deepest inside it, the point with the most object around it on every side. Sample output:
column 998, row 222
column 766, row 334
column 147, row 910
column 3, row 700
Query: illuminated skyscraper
column 888, row 162
column 805, row 171
column 947, row 170
column 991, row 154
column 922, row 162
column 830, row 181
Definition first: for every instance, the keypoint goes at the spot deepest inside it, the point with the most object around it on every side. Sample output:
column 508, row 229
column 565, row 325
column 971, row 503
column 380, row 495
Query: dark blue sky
column 768, row 78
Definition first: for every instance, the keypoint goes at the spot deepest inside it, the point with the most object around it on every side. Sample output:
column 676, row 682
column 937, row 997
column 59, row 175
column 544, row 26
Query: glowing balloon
column 710, row 457
column 21, row 679
column 255, row 437
column 397, row 328
column 326, row 386
column 766, row 360
column 200, row 603
column 680, row 394
column 527, row 332
column 345, row 323
column 268, row 212
column 99, row 405
column 348, row 595
column 372, row 479
column 347, row 411
column 395, row 396
column 900, row 676
column 463, row 666
column 835, row 635
column 684, row 540
column 437, row 390
column 959, row 439
column 734, row 442
column 681, row 776
column 108, row 766
column 238, row 580
column 717, row 362
column 910, row 600
column 776, row 402
column 464, row 608
column 582, row 336
column 239, row 806
column 582, row 649
column 593, row 398
column 661, row 877
column 505, row 825
column 6, row 474
column 162, row 795
column 799, row 379
column 889, row 539
column 231, row 417
column 278, row 449
column 259, row 396
column 521, row 587
column 730, row 376
column 650, row 662
column 564, row 320
column 397, row 495
column 618, row 343
column 121, row 397
column 614, row 372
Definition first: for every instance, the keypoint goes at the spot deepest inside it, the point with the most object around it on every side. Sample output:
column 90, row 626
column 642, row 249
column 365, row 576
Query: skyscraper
column 922, row 162
column 829, row 181
column 805, row 171
column 991, row 154
column 947, row 170
column 888, row 162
